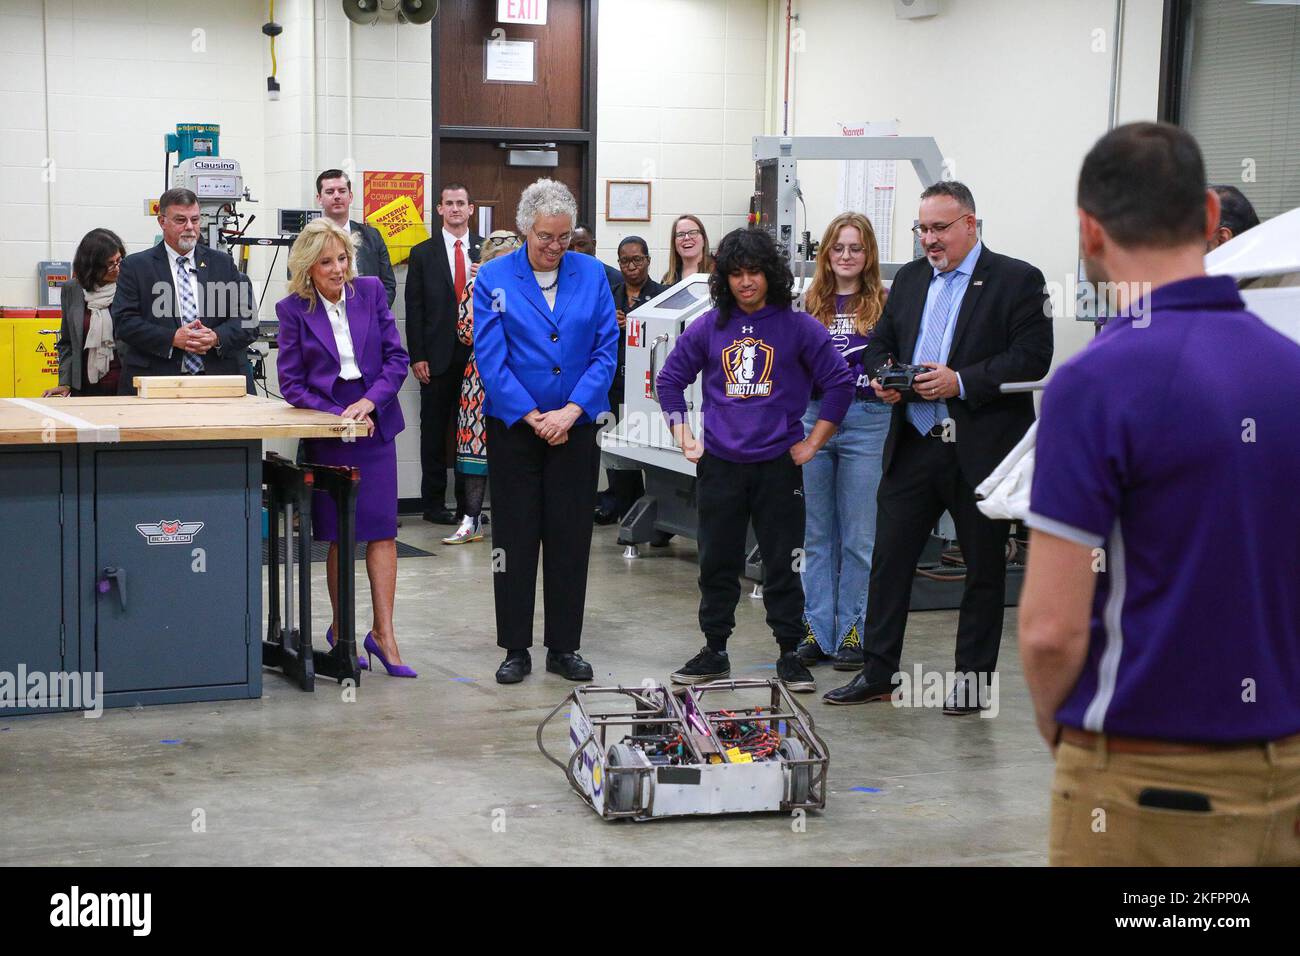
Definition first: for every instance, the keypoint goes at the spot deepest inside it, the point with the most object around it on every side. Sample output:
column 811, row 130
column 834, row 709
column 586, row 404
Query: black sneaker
column 849, row 656
column 792, row 673
column 705, row 666
column 809, row 651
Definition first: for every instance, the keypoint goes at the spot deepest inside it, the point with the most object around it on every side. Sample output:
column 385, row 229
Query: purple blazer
column 308, row 364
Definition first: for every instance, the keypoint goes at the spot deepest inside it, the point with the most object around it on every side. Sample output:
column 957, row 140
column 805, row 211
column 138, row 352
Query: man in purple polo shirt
column 1160, row 617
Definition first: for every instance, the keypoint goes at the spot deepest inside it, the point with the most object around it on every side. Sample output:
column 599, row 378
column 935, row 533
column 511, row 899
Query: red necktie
column 460, row 272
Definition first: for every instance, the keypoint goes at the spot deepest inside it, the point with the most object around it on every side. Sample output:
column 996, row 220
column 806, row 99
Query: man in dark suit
column 334, row 194
column 437, row 273
column 976, row 319
column 180, row 307
column 584, row 240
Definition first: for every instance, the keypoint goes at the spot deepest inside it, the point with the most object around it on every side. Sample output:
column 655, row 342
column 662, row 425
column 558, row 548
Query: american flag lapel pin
column 978, row 282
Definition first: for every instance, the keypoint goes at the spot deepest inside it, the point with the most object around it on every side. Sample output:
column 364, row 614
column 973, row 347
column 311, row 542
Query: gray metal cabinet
column 38, row 547
column 140, row 561
column 176, row 540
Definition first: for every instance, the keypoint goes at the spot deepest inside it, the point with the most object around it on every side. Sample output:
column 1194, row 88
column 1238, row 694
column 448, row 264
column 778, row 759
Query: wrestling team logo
column 747, row 363
column 170, row 532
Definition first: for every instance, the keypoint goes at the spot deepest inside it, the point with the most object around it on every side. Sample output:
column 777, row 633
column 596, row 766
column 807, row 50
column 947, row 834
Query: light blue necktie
column 925, row 415
column 192, row 364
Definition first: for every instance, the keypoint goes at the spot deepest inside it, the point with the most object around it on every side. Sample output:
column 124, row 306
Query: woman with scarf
column 89, row 363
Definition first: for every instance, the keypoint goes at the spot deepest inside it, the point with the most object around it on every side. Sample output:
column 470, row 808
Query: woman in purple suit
column 340, row 352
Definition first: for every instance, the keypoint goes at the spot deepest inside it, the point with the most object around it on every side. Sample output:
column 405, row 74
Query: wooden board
column 190, row 386
column 34, row 421
column 210, row 391
column 188, row 381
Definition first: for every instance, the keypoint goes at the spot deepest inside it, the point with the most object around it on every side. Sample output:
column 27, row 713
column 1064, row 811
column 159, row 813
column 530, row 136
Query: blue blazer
column 530, row 357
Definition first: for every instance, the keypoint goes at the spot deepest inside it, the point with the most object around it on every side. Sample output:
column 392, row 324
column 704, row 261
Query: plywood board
column 33, row 421
column 189, row 381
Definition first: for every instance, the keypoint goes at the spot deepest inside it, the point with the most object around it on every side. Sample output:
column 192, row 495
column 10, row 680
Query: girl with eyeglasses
column 688, row 250
column 846, row 296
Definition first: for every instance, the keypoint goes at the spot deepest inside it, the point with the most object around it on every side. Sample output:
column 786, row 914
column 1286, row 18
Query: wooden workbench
column 132, row 541
column 42, row 421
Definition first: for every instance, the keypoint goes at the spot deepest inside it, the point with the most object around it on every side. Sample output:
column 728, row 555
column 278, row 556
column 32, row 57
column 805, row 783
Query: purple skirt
column 376, row 514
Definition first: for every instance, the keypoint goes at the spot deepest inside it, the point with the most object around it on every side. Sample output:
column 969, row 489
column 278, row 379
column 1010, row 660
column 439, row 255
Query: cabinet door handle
column 118, row 576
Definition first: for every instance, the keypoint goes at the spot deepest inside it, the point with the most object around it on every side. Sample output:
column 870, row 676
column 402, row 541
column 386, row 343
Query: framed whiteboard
column 627, row 200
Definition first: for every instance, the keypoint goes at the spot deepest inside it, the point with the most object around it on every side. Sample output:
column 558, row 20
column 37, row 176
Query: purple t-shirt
column 852, row 345
column 1170, row 444
column 759, row 372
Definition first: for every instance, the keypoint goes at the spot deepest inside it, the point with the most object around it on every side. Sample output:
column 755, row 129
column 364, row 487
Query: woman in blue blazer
column 546, row 340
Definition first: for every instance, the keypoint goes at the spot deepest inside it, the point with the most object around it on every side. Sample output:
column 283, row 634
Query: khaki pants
column 1254, row 795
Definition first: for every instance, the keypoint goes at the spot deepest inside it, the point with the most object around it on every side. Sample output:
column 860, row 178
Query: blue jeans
column 840, row 526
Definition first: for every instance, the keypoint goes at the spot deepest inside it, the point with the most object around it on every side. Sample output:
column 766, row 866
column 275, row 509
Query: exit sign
column 521, row 11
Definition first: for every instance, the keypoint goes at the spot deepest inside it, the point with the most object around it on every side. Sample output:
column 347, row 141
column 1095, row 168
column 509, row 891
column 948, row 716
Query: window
column 1233, row 74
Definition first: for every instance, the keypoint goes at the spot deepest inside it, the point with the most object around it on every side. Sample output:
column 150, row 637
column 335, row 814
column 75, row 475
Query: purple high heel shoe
column 362, row 663
column 394, row 670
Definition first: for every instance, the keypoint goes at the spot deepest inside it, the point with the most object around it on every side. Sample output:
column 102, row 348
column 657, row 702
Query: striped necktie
column 191, row 364
column 925, row 415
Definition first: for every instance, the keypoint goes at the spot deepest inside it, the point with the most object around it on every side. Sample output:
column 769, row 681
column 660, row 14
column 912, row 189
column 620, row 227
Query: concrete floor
column 416, row 772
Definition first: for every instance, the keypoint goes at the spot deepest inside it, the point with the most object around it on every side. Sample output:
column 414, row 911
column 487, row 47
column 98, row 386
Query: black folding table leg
column 288, row 647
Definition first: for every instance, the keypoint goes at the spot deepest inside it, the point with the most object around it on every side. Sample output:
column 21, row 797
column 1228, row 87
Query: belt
column 1146, row 745
column 936, row 431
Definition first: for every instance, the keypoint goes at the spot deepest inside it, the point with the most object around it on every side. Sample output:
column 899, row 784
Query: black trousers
column 729, row 496
column 923, row 481
column 542, row 495
column 439, row 405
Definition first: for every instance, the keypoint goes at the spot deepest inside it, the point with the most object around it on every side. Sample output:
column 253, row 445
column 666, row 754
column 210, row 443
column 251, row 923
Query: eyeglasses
column 920, row 230
column 840, row 249
column 688, row 234
column 633, row 260
column 500, row 240
column 113, row 263
column 546, row 239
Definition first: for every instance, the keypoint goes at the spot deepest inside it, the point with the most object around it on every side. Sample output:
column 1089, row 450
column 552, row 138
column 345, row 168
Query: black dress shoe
column 569, row 665
column 602, row 517
column 964, row 699
column 858, row 691
column 516, row 666
column 445, row 516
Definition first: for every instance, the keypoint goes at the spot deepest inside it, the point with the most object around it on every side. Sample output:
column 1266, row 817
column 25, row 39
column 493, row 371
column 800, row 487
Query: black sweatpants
column 542, row 496
column 924, row 481
column 729, row 495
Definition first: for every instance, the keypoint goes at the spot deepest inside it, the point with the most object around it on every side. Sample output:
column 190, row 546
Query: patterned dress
column 471, row 426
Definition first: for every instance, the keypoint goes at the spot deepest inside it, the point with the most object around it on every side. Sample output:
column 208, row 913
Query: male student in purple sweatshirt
column 760, row 360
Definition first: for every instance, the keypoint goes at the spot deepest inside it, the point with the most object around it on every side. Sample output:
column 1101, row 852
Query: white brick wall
column 681, row 90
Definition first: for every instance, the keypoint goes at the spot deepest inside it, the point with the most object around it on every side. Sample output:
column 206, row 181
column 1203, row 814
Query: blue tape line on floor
column 173, row 741
column 865, row 789
column 465, row 680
